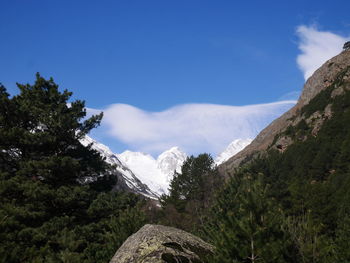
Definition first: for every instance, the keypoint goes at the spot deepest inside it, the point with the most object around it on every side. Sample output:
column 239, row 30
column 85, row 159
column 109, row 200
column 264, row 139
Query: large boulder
column 162, row 244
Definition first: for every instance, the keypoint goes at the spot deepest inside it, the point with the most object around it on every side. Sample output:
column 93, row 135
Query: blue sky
column 159, row 55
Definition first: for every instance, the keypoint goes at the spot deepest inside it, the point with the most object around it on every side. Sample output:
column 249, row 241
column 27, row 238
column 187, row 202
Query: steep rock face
column 320, row 80
column 161, row 244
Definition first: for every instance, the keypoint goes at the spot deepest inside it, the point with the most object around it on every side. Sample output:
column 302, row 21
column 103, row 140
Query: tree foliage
column 191, row 192
column 346, row 45
column 48, row 211
column 246, row 225
column 303, row 193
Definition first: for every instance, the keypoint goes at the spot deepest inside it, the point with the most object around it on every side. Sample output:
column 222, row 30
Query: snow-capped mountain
column 143, row 174
column 126, row 177
column 170, row 161
column 233, row 148
column 111, row 158
column 155, row 173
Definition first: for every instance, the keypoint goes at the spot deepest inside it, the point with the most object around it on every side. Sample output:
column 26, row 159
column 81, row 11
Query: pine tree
column 191, row 193
column 191, row 183
column 307, row 239
column 245, row 224
column 45, row 130
column 46, row 200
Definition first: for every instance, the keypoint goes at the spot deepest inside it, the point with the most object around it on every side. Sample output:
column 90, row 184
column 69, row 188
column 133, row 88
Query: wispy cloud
column 193, row 127
column 316, row 47
column 292, row 95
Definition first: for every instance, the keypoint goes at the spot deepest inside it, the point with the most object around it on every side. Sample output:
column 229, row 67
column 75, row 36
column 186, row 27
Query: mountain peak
column 174, row 151
column 170, row 161
column 322, row 78
column 233, row 148
column 149, row 176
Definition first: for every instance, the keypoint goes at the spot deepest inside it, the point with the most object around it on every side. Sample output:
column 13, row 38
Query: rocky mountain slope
column 126, row 178
column 322, row 78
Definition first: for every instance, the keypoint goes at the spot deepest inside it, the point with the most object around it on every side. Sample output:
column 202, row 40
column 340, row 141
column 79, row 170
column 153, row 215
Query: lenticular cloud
column 316, row 48
column 193, row 127
column 210, row 128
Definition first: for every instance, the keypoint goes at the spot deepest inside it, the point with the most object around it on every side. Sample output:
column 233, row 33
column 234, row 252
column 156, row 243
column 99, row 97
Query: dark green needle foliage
column 48, row 210
column 245, row 224
column 303, row 214
column 191, row 193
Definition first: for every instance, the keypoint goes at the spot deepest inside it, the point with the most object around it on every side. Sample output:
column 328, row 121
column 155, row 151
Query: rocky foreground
column 159, row 244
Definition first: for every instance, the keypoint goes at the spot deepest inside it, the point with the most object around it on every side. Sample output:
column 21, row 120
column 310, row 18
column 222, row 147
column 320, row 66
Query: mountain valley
column 281, row 197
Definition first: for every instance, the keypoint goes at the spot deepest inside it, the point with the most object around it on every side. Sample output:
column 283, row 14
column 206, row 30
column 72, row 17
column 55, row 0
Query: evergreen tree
column 46, row 200
column 246, row 225
column 310, row 182
column 191, row 192
column 190, row 183
column 342, row 240
column 307, row 239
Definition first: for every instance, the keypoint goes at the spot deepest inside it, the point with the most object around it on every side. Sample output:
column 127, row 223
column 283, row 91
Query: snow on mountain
column 111, row 158
column 145, row 168
column 156, row 174
column 170, row 161
column 233, row 148
column 148, row 176
column 123, row 172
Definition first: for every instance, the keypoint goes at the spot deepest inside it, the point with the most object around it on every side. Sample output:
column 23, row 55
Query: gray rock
column 162, row 244
column 320, row 80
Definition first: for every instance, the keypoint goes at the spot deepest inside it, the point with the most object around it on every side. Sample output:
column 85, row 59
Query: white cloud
column 292, row 95
column 316, row 48
column 193, row 127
